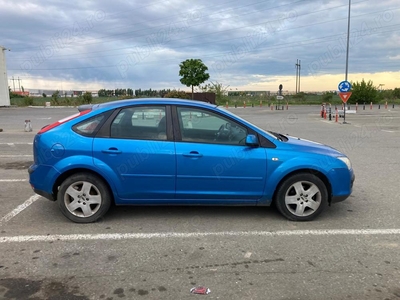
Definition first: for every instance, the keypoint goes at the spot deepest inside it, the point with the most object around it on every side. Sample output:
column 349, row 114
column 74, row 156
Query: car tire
column 301, row 197
column 84, row 198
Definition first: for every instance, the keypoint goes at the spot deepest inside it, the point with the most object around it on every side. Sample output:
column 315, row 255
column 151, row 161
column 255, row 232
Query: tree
column 364, row 92
column 44, row 95
column 396, row 93
column 193, row 73
column 102, row 93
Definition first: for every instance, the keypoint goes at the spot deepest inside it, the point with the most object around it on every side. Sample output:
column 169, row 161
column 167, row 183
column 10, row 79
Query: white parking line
column 13, row 180
column 19, row 209
column 131, row 236
column 17, row 155
column 13, row 144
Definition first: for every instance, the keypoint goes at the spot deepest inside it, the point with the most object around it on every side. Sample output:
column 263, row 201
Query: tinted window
column 203, row 126
column 89, row 126
column 140, row 122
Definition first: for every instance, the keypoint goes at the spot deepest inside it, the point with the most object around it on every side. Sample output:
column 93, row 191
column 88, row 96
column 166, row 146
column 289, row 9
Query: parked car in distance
column 181, row 152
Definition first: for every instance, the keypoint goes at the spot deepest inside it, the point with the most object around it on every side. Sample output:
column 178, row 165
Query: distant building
column 21, row 93
column 49, row 93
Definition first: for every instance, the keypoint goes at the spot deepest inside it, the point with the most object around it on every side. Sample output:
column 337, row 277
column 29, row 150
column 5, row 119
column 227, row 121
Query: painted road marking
column 131, row 236
column 12, row 144
column 391, row 131
column 13, row 180
column 19, row 209
column 247, row 255
column 20, row 155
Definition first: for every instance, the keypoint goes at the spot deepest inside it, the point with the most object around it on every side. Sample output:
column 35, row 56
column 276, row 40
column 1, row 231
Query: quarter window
column 89, row 126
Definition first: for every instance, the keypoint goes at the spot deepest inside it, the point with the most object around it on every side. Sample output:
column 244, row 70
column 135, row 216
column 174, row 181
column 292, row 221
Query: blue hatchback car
column 181, row 152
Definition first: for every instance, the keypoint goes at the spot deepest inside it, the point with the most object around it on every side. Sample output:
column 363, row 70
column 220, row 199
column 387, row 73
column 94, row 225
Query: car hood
column 311, row 146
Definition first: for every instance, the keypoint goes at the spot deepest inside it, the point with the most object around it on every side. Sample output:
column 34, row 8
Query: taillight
column 62, row 121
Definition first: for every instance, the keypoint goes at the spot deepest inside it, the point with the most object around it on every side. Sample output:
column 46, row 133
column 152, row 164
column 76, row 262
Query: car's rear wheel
column 301, row 197
column 84, row 198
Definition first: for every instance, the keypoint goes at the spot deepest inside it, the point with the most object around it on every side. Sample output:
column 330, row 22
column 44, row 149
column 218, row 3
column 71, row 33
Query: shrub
column 176, row 94
column 28, row 101
column 87, row 98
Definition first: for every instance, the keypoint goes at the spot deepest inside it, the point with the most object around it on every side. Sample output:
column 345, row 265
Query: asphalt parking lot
column 349, row 252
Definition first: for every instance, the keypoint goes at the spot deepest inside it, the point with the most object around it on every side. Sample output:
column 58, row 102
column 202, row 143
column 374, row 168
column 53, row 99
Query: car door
column 213, row 162
column 141, row 153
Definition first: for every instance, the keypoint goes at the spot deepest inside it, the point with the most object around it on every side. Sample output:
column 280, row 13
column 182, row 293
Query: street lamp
column 348, row 42
column 347, row 58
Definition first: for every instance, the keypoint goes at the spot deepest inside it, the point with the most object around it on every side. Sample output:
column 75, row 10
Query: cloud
column 140, row 45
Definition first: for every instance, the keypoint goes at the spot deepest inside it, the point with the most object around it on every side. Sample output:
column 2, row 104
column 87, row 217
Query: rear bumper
column 44, row 194
column 41, row 179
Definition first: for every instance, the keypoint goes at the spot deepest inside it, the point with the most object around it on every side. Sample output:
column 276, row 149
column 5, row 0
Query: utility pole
column 297, row 72
column 298, row 68
column 19, row 84
column 13, row 83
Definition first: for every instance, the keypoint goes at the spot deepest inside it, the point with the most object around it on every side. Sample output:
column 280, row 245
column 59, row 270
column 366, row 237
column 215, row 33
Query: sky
column 246, row 44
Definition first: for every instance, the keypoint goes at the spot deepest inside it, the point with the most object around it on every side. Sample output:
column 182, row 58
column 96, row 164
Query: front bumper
column 336, row 199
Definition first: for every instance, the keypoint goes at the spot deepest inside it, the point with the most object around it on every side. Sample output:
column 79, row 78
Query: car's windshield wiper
column 277, row 135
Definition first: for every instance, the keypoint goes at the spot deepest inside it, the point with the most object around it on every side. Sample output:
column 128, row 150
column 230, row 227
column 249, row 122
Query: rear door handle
column 112, row 151
column 193, row 154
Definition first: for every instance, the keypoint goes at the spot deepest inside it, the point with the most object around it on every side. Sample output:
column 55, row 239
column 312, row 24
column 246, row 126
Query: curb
column 50, row 107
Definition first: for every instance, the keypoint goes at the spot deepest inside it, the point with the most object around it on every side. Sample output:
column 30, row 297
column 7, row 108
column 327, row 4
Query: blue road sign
column 344, row 86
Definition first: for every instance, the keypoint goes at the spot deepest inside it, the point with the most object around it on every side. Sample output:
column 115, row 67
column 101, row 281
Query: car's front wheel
column 301, row 197
column 84, row 198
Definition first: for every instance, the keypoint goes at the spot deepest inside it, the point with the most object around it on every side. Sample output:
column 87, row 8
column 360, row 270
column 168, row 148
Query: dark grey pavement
column 219, row 246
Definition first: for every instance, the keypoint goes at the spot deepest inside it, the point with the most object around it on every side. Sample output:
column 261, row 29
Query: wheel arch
column 317, row 173
column 71, row 172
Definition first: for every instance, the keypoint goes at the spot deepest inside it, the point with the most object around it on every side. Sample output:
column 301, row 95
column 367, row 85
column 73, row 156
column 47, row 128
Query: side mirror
column 251, row 140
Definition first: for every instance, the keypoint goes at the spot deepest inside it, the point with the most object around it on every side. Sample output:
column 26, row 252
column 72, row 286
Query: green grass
column 41, row 101
column 308, row 100
column 232, row 101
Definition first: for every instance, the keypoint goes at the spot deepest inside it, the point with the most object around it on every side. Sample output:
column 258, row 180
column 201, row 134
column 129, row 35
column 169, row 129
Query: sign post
column 279, row 97
column 344, row 93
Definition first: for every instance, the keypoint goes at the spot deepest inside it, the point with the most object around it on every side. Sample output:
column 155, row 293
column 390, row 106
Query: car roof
column 170, row 101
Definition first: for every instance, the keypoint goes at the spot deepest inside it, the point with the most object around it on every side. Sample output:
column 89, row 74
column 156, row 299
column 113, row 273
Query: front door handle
column 193, row 154
column 112, row 150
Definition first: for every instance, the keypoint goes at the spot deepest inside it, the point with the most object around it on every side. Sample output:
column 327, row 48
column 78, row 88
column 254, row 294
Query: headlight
column 346, row 161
